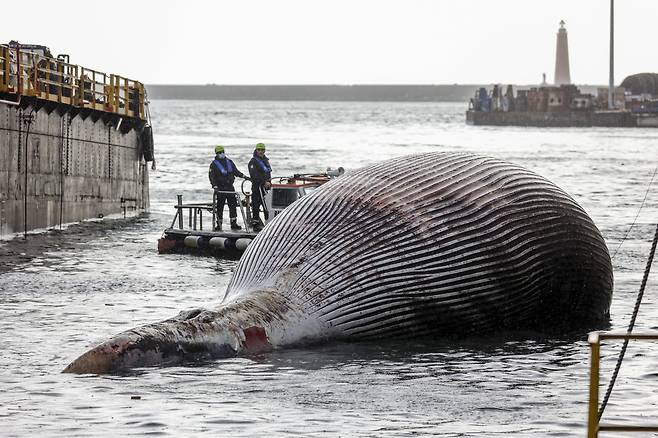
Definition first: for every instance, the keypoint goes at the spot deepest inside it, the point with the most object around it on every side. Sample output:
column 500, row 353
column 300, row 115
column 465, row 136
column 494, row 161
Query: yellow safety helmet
column 260, row 147
column 219, row 149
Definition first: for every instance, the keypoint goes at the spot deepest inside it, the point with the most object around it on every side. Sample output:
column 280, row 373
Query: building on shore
column 563, row 104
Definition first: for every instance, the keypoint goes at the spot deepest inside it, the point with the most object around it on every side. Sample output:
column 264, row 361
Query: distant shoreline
column 329, row 93
column 401, row 93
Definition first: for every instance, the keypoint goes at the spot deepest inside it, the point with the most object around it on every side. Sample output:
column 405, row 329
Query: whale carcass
column 429, row 244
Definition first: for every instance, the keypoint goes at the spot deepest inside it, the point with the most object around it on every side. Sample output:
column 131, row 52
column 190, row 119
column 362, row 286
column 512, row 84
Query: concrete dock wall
column 66, row 169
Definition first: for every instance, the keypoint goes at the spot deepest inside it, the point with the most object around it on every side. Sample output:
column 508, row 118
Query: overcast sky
column 341, row 42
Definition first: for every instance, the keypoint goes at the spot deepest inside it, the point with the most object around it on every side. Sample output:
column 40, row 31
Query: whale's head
column 251, row 322
column 165, row 343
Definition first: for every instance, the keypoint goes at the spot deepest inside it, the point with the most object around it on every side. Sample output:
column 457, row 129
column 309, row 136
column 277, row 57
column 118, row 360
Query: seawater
column 66, row 290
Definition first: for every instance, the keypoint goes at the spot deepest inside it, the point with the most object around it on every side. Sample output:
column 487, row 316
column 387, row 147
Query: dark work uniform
column 260, row 172
column 222, row 173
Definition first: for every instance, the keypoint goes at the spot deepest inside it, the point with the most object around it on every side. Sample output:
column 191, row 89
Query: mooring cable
column 637, row 215
column 640, row 294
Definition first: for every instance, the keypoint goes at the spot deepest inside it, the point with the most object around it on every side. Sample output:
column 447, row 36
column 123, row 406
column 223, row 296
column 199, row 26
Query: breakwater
column 611, row 119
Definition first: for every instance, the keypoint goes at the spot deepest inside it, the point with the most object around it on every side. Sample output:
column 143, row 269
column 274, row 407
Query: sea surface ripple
column 63, row 291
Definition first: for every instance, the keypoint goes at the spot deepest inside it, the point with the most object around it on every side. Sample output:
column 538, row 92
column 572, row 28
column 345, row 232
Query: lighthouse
column 562, row 76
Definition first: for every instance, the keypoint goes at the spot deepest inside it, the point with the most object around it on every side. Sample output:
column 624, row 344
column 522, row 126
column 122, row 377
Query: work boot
column 257, row 225
column 218, row 225
column 234, row 225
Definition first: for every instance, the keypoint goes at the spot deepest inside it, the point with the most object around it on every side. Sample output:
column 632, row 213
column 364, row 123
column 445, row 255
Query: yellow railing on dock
column 593, row 424
column 33, row 75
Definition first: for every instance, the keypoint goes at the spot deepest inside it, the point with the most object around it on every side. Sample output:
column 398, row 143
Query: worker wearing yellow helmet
column 222, row 174
column 260, row 173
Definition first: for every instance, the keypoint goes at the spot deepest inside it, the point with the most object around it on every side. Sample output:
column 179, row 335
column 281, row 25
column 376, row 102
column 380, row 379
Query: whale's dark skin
column 432, row 244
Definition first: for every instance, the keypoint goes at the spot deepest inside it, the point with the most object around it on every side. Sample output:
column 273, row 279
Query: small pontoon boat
column 196, row 227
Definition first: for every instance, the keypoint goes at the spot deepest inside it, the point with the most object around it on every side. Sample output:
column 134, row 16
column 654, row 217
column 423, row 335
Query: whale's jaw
column 250, row 324
column 139, row 348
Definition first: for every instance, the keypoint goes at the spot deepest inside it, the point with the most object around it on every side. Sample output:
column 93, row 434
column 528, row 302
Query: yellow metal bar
column 75, row 88
column 93, row 88
column 60, row 71
column 104, row 92
column 142, row 106
column 126, row 91
column 22, row 88
column 109, row 94
column 19, row 78
column 593, row 411
column 44, row 81
column 35, row 76
column 115, row 96
column 140, row 102
column 117, row 93
column 5, row 68
column 593, row 425
column 58, row 81
column 81, row 91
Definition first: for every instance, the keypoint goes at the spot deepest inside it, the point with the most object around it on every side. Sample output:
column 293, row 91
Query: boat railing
column 593, row 424
column 29, row 74
column 193, row 212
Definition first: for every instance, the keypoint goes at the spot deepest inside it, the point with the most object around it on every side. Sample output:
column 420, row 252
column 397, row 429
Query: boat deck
column 190, row 233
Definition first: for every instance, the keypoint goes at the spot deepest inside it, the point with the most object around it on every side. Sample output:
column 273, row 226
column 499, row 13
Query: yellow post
column 93, row 88
column 81, row 85
column 593, row 415
column 75, row 98
column 5, row 68
column 117, row 93
column 142, row 101
column 19, row 78
column 44, row 81
column 35, row 78
column 138, row 94
column 127, row 97
column 60, row 80
column 110, row 94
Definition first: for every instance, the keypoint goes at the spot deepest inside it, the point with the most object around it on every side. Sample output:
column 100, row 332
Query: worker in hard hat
column 260, row 173
column 222, row 174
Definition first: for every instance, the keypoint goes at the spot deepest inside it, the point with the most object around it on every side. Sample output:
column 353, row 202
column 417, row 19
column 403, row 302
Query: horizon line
column 361, row 85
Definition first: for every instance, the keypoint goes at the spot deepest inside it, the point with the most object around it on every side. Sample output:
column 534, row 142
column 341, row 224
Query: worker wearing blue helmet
column 222, row 174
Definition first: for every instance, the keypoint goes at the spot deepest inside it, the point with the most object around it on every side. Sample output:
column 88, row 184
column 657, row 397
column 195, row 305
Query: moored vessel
column 74, row 142
column 197, row 227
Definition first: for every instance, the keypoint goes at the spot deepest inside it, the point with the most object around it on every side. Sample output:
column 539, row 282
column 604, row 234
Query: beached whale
column 431, row 244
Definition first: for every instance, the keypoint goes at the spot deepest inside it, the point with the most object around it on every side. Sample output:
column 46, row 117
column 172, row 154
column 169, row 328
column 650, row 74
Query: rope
column 640, row 293
column 637, row 215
